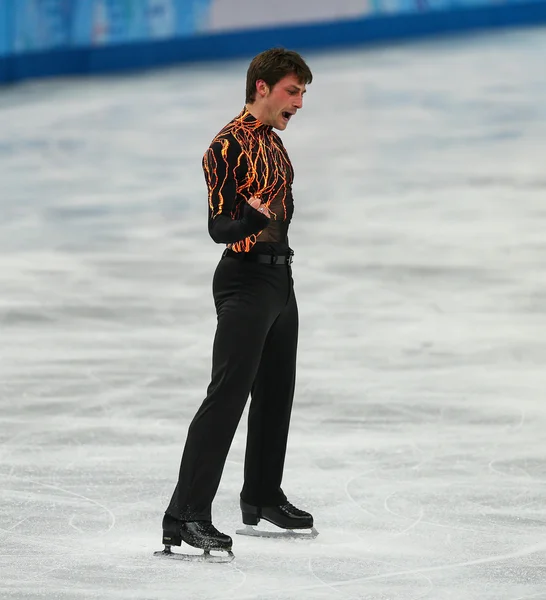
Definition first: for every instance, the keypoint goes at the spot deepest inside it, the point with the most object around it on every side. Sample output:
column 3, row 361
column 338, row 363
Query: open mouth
column 286, row 115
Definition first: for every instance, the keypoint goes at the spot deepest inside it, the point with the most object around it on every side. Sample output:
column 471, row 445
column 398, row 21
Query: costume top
column 245, row 159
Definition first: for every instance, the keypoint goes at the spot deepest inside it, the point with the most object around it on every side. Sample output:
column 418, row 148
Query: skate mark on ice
column 520, row 423
column 71, row 523
column 503, row 474
column 333, row 586
column 426, row 457
column 421, row 521
column 419, row 518
column 230, row 590
column 412, row 525
column 16, row 525
column 43, row 573
column 491, row 465
column 348, row 493
column 443, row 525
column 37, row 541
column 111, row 515
column 368, row 512
column 421, row 571
column 322, row 582
column 528, row 504
column 527, row 551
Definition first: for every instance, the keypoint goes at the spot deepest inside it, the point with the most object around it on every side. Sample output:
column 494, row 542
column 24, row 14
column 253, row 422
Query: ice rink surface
column 418, row 437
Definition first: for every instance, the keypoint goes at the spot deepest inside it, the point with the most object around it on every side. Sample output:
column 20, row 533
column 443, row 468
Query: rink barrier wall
column 139, row 55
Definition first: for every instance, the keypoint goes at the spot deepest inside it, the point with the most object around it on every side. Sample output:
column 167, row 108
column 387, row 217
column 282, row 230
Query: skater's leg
column 246, row 311
column 211, row 432
column 270, row 411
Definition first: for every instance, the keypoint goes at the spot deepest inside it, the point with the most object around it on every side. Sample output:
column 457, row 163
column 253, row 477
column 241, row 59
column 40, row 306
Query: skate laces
column 293, row 509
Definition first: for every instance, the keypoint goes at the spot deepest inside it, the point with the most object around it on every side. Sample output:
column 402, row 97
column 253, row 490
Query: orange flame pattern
column 247, row 159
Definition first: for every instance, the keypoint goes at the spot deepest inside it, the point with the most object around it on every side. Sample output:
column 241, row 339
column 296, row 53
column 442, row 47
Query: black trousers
column 254, row 353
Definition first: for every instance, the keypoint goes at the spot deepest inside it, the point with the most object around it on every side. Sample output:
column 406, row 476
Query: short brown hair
column 271, row 66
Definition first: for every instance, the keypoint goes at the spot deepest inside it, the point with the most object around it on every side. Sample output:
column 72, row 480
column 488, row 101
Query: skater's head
column 275, row 85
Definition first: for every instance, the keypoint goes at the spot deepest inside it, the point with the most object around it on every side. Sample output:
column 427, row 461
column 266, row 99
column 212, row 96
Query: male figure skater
column 249, row 179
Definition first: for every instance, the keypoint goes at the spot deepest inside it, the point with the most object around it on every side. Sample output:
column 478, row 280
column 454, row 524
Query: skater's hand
column 257, row 204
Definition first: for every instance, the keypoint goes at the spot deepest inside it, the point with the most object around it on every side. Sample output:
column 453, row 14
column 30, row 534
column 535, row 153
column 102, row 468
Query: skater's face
column 277, row 105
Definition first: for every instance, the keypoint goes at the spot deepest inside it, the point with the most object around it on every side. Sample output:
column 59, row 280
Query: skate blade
column 290, row 534
column 205, row 557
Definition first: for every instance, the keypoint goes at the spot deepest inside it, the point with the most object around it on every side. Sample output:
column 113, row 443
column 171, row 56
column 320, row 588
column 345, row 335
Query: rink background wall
column 67, row 37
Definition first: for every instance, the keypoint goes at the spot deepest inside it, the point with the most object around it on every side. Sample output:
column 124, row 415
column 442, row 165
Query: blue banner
column 125, row 21
column 40, row 24
column 5, row 26
column 116, row 21
column 30, row 26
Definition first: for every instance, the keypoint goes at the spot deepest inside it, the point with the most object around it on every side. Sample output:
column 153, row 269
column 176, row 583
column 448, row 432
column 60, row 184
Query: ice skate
column 198, row 534
column 286, row 517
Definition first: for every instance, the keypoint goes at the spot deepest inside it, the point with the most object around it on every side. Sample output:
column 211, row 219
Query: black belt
column 268, row 259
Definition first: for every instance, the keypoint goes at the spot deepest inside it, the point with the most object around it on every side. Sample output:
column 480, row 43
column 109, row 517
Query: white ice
column 418, row 437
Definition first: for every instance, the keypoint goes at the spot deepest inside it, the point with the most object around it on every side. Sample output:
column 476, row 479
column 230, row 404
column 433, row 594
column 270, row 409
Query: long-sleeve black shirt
column 245, row 159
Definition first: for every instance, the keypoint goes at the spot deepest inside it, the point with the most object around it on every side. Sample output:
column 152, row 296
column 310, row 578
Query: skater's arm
column 225, row 230
column 222, row 163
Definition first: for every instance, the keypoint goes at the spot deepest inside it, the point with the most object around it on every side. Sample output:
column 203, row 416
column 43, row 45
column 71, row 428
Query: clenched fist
column 257, row 204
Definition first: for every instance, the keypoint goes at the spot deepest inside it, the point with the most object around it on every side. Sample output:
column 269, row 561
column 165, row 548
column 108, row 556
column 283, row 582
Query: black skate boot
column 199, row 534
column 285, row 516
